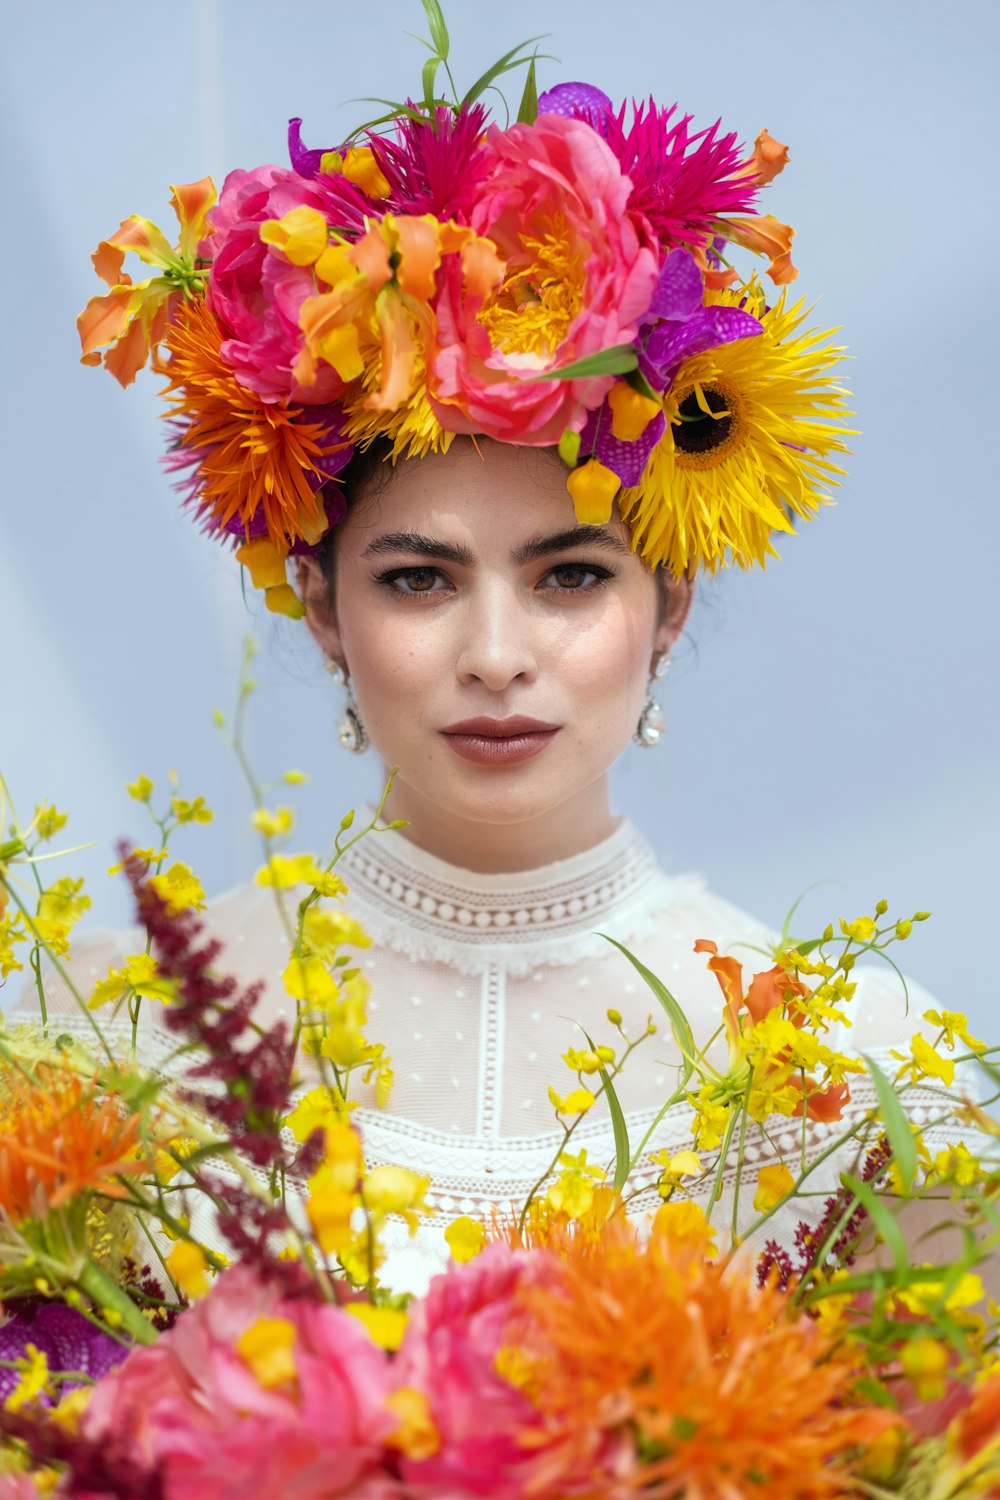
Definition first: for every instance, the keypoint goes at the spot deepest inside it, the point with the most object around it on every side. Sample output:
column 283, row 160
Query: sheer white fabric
column 481, row 982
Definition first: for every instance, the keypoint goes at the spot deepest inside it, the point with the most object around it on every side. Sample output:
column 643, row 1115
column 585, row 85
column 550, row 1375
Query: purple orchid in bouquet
column 625, row 429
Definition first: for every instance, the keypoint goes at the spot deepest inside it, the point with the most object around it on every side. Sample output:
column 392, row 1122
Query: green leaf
column 678, row 1020
column 883, row 1219
column 622, row 1158
column 428, row 76
column 507, row 62
column 615, row 361
column 527, row 112
column 436, row 27
column 897, row 1129
column 638, row 382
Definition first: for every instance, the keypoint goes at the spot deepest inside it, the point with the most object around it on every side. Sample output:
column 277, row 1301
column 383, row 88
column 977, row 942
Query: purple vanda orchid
column 66, row 1338
column 578, row 101
column 676, row 327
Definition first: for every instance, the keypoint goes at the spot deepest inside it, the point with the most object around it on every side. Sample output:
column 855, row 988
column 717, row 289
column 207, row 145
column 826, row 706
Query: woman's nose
column 496, row 645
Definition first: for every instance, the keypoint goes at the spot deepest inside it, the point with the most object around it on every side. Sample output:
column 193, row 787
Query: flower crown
column 562, row 282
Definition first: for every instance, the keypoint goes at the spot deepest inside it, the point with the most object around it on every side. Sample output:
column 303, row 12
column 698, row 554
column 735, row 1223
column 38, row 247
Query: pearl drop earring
column 651, row 726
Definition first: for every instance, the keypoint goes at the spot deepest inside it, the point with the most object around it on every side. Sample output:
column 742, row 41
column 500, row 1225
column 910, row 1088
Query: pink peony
column 449, row 1354
column 191, row 1406
column 254, row 292
column 581, row 272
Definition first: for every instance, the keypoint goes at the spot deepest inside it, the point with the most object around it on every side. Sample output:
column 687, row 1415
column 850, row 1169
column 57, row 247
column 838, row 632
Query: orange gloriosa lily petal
column 769, row 158
column 419, row 255
column 772, row 989
column 766, row 235
column 822, row 1104
column 191, row 202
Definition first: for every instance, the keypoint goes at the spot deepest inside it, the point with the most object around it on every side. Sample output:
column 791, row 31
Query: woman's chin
column 497, row 794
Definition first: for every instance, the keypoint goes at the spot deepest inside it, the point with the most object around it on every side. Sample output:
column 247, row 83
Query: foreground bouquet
column 564, row 281
column 192, row 1258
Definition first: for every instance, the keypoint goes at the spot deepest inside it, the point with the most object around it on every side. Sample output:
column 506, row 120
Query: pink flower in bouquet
column 18, row 1487
column 449, row 1354
column 581, row 271
column 250, row 1394
column 255, row 292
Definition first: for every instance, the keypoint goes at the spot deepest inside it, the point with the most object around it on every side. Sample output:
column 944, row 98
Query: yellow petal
column 773, row 1185
column 631, row 411
column 301, row 235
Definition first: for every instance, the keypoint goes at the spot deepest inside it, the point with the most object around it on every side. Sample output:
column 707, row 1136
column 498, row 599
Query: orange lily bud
column 769, row 158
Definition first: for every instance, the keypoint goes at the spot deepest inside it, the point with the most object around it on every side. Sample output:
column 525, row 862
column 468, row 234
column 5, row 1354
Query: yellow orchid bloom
column 129, row 320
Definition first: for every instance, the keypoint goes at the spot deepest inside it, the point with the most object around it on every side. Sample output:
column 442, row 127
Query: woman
column 387, row 366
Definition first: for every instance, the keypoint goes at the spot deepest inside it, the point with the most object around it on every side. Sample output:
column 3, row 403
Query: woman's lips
column 499, row 742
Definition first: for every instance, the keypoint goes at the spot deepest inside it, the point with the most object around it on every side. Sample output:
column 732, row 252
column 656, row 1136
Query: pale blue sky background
column 835, row 720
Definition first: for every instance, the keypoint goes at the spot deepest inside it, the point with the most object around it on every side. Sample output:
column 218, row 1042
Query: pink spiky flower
column 683, row 181
column 435, row 166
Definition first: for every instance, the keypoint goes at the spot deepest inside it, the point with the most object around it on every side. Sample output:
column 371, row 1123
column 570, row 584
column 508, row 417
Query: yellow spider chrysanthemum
column 750, row 429
column 412, row 427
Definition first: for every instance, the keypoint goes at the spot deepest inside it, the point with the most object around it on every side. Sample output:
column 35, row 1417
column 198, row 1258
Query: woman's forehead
column 483, row 497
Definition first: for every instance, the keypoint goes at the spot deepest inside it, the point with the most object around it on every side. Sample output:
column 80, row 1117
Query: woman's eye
column 576, row 577
column 412, row 580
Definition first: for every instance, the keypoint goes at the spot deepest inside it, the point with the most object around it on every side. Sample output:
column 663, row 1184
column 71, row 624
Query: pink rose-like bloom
column 449, row 1353
column 254, row 292
column 193, row 1409
column 556, row 178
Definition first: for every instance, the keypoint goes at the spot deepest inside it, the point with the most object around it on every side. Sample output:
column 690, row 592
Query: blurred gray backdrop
column 833, row 721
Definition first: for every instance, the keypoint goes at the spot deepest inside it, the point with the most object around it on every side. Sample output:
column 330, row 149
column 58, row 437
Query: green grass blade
column 507, row 62
column 527, row 112
column 883, row 1219
column 678, row 1020
column 622, row 1158
column 897, row 1128
column 437, row 27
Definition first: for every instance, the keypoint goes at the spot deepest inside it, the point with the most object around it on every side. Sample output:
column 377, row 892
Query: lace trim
column 481, row 1173
column 431, row 911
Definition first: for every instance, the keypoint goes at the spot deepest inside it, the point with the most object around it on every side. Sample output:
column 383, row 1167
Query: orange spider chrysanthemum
column 252, row 460
column 682, row 1375
column 58, row 1139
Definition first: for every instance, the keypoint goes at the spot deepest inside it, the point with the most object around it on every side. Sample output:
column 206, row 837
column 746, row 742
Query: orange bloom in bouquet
column 704, row 1385
column 124, row 326
column 773, row 990
column 60, row 1138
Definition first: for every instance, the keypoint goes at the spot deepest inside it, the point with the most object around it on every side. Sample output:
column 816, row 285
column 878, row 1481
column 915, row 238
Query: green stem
column 60, row 969
column 110, row 1298
column 723, row 1154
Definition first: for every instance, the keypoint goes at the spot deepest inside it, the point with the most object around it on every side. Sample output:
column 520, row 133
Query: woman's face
column 467, row 601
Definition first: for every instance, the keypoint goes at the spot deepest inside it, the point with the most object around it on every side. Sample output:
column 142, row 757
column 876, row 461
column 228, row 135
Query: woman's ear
column 677, row 596
column 321, row 615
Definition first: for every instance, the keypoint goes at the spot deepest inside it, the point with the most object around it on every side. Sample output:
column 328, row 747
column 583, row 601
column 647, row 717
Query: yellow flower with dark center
column 751, row 427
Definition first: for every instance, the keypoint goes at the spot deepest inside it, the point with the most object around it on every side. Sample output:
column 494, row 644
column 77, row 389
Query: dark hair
column 369, row 469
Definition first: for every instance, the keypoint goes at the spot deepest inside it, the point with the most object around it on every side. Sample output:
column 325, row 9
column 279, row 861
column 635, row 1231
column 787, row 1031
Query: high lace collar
column 428, row 908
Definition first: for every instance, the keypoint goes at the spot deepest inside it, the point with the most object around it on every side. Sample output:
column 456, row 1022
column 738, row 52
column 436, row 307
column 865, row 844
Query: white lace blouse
column 481, row 982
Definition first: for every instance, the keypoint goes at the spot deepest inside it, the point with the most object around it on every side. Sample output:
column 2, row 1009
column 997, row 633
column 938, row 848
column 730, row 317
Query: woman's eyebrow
column 562, row 541
column 415, row 545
